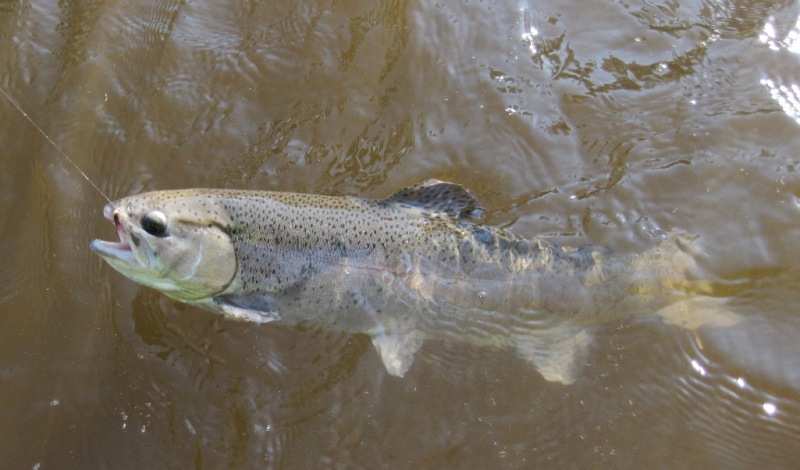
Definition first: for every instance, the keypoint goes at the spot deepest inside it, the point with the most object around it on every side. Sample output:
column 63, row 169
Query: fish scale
column 410, row 267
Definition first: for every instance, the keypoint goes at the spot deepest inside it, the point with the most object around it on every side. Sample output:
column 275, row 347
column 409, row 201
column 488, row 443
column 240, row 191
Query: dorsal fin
column 438, row 198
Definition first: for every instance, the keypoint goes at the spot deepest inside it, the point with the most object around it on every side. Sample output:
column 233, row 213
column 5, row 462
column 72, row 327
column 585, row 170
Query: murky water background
column 607, row 122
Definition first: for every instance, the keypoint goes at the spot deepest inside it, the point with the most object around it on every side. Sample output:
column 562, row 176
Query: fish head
column 172, row 241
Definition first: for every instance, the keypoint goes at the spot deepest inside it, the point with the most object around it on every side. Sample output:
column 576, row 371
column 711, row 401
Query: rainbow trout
column 403, row 269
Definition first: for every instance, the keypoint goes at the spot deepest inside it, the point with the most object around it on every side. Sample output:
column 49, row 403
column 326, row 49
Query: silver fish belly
column 403, row 269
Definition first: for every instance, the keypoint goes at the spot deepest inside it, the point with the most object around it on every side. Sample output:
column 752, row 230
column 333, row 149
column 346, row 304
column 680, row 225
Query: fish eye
column 155, row 223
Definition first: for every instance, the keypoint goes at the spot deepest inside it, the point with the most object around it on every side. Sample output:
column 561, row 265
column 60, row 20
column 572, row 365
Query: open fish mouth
column 122, row 248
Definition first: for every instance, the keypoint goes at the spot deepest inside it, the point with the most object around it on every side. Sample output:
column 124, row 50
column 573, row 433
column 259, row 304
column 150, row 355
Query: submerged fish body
column 403, row 269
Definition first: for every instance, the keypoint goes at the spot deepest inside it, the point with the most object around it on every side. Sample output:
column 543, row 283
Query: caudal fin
column 694, row 312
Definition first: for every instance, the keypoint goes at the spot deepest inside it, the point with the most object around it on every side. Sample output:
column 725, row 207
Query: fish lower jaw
column 117, row 250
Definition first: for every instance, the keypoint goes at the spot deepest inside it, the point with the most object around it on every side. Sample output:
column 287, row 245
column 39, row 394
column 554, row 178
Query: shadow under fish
column 411, row 267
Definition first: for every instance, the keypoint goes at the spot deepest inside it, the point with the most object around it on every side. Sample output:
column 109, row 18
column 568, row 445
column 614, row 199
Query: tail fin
column 692, row 313
column 699, row 307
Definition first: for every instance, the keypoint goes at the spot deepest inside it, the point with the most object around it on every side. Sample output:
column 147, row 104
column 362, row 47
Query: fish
column 415, row 266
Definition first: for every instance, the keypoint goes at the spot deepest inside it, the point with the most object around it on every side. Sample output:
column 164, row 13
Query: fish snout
column 109, row 212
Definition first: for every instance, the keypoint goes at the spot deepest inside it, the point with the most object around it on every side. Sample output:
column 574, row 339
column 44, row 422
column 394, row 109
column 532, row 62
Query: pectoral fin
column 559, row 358
column 397, row 349
column 254, row 308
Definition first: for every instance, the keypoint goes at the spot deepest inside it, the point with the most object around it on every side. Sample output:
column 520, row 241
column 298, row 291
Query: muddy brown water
column 604, row 122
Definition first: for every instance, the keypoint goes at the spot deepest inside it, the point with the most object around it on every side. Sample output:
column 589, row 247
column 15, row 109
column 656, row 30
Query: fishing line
column 53, row 143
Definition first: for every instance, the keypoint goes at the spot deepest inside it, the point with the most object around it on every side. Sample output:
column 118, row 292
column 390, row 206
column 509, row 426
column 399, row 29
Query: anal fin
column 397, row 349
column 560, row 358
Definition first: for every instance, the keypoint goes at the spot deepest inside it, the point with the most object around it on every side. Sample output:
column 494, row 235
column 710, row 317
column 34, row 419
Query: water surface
column 579, row 121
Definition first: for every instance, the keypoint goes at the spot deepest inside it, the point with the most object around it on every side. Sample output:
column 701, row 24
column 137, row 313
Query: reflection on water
column 611, row 128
